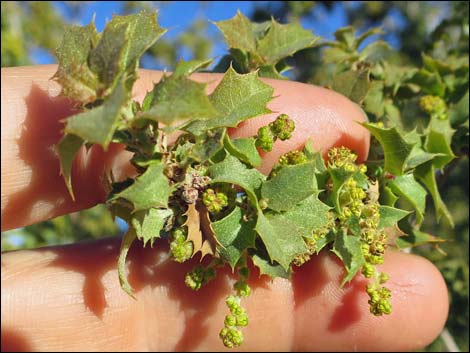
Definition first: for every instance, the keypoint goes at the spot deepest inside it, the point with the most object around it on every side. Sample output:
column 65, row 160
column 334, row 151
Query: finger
column 33, row 190
column 68, row 298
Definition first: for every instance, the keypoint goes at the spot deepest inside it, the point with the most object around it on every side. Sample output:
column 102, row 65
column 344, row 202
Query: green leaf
column 77, row 80
column 236, row 98
column 308, row 215
column 396, row 148
column 98, row 124
column 270, row 71
column 387, row 197
column 280, row 237
column 348, row 249
column 419, row 156
column 142, row 32
column 238, row 32
column 232, row 171
column 235, row 234
column 284, row 40
column 416, row 238
column 426, row 173
column 176, row 100
column 352, row 84
column 458, row 113
column 148, row 223
column 123, row 42
column 439, row 141
column 324, row 241
column 151, row 189
column 244, row 149
column 208, row 144
column 374, row 100
column 126, row 243
column 186, row 68
column 266, row 267
column 339, row 176
column 67, row 148
column 389, row 216
column 409, row 189
column 290, row 185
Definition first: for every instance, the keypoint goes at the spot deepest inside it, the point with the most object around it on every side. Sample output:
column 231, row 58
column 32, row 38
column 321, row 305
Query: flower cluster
column 181, row 250
column 231, row 334
column 281, row 128
column 199, row 276
column 214, row 201
column 435, row 106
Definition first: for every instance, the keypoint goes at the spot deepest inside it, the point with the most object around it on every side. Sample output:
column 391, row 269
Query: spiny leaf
column 410, row 190
column 236, row 98
column 352, row 84
column 244, row 149
column 126, row 243
column 416, row 238
column 175, row 100
column 426, row 173
column 290, row 185
column 232, row 171
column 389, row 216
column 200, row 232
column 98, row 124
column 67, row 148
column 266, row 267
column 123, row 42
column 73, row 74
column 148, row 223
column 280, row 237
column 235, row 234
column 186, row 68
column 396, row 148
column 439, row 141
column 238, row 32
column 348, row 249
column 284, row 40
column 151, row 189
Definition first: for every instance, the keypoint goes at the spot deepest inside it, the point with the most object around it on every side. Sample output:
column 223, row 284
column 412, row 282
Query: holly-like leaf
column 266, row 267
column 389, row 216
column 284, row 40
column 176, row 100
column 148, row 224
column 353, row 84
column 151, row 189
column 73, row 74
column 186, row 68
column 426, row 173
column 208, row 144
column 439, row 141
column 280, row 236
column 416, row 238
column 396, row 148
column 97, row 125
column 123, row 42
column 200, row 231
column 126, row 243
column 244, row 149
column 67, row 148
column 308, row 215
column 232, row 171
column 410, row 190
column 339, row 176
column 290, row 185
column 238, row 32
column 348, row 249
column 235, row 234
column 236, row 98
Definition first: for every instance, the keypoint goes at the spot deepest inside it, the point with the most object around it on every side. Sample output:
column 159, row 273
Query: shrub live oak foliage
column 204, row 195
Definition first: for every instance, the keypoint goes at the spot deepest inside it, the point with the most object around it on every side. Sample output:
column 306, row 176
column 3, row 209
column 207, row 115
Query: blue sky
column 177, row 16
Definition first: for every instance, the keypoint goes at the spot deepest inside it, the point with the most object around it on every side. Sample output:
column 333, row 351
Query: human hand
column 68, row 298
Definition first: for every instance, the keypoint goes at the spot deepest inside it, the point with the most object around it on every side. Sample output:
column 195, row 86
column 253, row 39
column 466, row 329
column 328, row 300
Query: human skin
column 68, row 298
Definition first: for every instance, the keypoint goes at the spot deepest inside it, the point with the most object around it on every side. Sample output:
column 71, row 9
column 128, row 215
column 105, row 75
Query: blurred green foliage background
column 412, row 27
